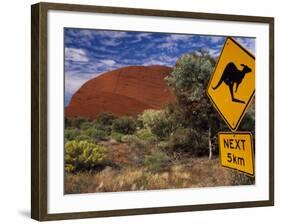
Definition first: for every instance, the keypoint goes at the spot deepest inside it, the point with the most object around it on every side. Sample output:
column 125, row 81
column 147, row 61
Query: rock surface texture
column 125, row 91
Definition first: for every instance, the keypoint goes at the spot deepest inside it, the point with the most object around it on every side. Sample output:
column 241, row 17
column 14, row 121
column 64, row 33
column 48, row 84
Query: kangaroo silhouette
column 232, row 75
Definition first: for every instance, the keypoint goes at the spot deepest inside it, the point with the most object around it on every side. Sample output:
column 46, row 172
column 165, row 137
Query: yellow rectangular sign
column 236, row 151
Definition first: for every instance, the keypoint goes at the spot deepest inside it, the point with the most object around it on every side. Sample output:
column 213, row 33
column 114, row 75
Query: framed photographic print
column 138, row 111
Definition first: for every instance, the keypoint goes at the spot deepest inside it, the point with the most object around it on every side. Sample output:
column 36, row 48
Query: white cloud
column 215, row 40
column 108, row 62
column 112, row 34
column 111, row 38
column 153, row 62
column 168, row 45
column 172, row 41
column 74, row 54
column 197, row 44
column 139, row 37
column 214, row 52
column 248, row 43
column 168, row 59
column 144, row 35
column 73, row 81
column 177, row 37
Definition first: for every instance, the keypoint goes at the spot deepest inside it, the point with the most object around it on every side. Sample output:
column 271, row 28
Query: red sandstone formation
column 125, row 91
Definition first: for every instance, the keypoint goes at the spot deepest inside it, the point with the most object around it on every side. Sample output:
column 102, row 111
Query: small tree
column 189, row 81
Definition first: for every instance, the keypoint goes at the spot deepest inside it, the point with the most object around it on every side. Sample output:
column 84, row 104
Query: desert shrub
column 67, row 122
column 83, row 155
column 140, row 144
column 148, row 117
column 71, row 133
column 177, row 115
column 146, row 135
column 86, row 125
column 117, row 136
column 180, row 138
column 106, row 128
column 139, row 123
column 188, row 140
column 105, row 118
column 104, row 122
column 241, row 179
column 162, row 127
column 156, row 161
column 129, row 138
column 124, row 125
column 69, row 168
column 158, row 122
column 163, row 145
column 75, row 122
column 83, row 137
column 96, row 134
column 135, row 141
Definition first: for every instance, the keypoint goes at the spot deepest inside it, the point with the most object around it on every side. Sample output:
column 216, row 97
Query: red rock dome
column 125, row 91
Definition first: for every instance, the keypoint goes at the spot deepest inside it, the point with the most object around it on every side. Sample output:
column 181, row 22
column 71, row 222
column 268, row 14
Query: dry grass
column 200, row 172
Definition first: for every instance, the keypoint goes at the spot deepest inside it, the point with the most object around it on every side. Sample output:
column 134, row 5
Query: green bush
column 162, row 127
column 117, row 136
column 188, row 140
column 135, row 141
column 180, row 138
column 86, row 125
column 106, row 128
column 71, row 133
column 177, row 115
column 146, row 135
column 106, row 118
column 163, row 145
column 148, row 117
column 157, row 122
column 129, row 138
column 83, row 155
column 124, row 125
column 96, row 134
column 104, row 122
column 83, row 137
column 75, row 122
column 156, row 161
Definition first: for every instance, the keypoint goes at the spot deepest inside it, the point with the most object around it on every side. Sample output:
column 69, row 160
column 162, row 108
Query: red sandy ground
column 125, row 91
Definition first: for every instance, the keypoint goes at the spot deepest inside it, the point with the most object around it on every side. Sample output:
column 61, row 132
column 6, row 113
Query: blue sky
column 89, row 53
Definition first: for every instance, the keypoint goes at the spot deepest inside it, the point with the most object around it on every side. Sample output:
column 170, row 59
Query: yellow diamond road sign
column 232, row 85
column 236, row 151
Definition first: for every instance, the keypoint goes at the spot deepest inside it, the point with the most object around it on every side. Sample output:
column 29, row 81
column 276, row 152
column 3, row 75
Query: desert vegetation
column 175, row 147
